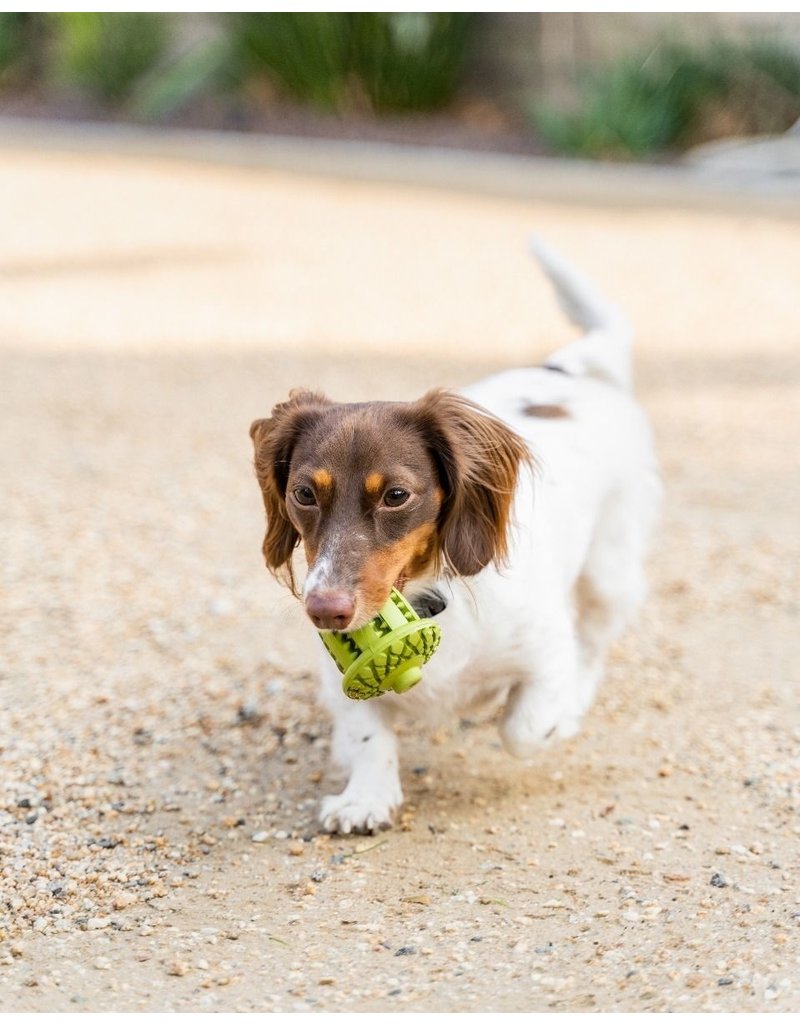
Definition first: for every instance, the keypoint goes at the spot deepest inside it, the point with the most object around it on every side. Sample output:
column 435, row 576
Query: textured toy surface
column 386, row 654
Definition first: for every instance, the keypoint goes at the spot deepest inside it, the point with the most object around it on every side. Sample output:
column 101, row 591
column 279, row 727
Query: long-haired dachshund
column 517, row 511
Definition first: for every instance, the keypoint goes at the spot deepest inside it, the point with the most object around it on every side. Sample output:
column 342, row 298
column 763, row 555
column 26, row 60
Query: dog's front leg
column 365, row 744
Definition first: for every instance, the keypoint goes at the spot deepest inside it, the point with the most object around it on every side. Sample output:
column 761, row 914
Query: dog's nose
column 330, row 609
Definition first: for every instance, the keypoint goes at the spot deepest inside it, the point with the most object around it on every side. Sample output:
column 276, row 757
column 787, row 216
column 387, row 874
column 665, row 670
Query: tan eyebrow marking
column 374, row 484
column 322, row 478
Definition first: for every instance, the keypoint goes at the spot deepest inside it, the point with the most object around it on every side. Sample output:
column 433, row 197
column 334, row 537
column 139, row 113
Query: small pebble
column 249, row 714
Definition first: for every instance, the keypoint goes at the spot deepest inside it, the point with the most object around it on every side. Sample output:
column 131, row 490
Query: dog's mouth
column 360, row 607
column 428, row 603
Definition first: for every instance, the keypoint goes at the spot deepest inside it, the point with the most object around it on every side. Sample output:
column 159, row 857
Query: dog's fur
column 520, row 510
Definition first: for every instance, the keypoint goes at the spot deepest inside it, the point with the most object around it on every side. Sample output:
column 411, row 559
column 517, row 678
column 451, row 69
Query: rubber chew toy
column 386, row 654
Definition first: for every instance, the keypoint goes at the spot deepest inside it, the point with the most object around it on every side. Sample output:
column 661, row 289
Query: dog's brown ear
column 274, row 440
column 478, row 459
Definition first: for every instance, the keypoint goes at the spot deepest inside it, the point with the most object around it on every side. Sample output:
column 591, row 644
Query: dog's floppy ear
column 274, row 440
column 478, row 459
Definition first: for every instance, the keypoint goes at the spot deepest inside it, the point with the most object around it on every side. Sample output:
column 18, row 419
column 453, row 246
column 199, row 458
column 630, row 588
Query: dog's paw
column 527, row 729
column 358, row 812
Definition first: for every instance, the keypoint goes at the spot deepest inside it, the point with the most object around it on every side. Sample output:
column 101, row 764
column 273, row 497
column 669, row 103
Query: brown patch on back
column 374, row 484
column 322, row 479
column 546, row 412
column 403, row 560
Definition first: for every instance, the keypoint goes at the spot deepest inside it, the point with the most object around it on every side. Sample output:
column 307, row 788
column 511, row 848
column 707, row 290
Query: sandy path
column 156, row 689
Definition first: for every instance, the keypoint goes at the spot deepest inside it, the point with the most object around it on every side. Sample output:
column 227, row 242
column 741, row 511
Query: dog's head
column 381, row 493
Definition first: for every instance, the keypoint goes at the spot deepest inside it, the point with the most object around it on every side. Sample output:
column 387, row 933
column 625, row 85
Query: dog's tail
column 605, row 350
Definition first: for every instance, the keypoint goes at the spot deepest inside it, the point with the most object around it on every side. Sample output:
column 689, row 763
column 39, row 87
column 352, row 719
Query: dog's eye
column 304, row 496
column 395, row 497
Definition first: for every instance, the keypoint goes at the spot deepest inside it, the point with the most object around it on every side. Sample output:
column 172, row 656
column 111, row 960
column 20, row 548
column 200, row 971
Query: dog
column 517, row 512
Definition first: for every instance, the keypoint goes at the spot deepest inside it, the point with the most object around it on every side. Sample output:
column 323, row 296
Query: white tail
column 605, row 351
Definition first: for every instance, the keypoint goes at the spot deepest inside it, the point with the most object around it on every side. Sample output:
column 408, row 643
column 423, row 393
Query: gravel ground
column 161, row 756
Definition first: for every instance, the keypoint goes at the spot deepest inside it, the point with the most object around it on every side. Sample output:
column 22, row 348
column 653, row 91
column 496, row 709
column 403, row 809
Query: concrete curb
column 506, row 176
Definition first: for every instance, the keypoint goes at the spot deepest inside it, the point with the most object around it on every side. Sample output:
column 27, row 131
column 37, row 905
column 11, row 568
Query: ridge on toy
column 386, row 654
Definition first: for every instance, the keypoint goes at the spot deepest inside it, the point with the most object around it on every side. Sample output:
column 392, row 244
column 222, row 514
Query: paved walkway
column 760, row 175
column 161, row 756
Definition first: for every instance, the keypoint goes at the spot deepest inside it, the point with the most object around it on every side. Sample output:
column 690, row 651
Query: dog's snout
column 330, row 609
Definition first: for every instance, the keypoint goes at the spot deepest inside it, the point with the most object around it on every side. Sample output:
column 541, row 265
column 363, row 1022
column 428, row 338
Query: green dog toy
column 386, row 654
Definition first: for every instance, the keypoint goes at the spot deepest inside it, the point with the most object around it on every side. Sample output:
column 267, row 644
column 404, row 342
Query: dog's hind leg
column 612, row 584
column 545, row 704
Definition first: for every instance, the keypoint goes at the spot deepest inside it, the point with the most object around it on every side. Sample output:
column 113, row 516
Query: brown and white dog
column 517, row 511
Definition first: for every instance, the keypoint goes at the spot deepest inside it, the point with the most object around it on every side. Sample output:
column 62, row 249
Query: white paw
column 354, row 811
column 529, row 727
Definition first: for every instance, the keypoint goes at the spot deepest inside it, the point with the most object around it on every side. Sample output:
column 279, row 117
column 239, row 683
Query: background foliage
column 144, row 66
column 675, row 96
